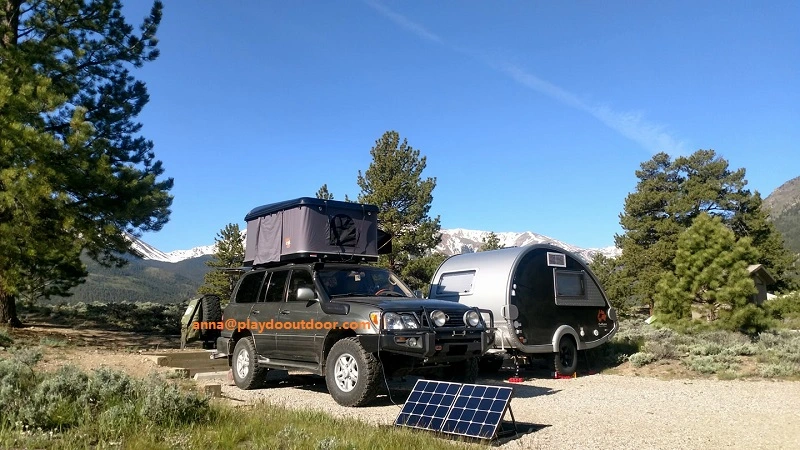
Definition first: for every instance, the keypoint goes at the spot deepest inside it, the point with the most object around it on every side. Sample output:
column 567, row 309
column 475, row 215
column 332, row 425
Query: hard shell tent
column 544, row 299
column 312, row 228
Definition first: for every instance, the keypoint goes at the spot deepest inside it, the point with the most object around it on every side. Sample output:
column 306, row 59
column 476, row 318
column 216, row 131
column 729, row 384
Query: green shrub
column 785, row 310
column 642, row 359
column 660, row 350
column 706, row 349
column 711, row 364
column 5, row 337
column 69, row 397
column 779, row 369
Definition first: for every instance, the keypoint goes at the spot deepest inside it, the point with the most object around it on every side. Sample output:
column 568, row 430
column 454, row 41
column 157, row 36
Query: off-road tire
column 211, row 312
column 353, row 375
column 462, row 372
column 246, row 373
column 565, row 362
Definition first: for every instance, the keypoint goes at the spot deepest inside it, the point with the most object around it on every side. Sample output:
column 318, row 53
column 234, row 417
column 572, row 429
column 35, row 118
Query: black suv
column 355, row 324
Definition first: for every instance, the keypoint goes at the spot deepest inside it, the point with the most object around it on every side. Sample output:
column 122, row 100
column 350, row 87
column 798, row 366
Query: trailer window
column 456, row 283
column 570, row 285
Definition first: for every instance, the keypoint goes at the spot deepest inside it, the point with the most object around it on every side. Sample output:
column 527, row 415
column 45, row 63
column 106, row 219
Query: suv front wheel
column 352, row 375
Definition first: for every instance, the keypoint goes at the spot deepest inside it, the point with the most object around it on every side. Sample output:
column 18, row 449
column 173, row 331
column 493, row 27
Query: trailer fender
column 562, row 331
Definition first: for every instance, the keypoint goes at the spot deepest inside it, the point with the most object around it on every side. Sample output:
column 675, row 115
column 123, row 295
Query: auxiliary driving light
column 439, row 318
column 472, row 318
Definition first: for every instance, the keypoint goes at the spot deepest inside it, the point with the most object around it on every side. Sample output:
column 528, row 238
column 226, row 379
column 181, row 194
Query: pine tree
column 711, row 272
column 393, row 182
column 75, row 176
column 668, row 198
column 610, row 275
column 490, row 242
column 650, row 234
column 228, row 254
column 419, row 271
column 323, row 193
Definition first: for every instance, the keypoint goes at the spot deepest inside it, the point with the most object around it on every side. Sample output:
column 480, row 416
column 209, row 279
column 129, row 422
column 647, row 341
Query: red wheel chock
column 558, row 376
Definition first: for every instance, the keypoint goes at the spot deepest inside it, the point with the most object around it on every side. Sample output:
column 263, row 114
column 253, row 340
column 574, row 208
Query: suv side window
column 249, row 287
column 262, row 296
column 300, row 278
column 276, row 285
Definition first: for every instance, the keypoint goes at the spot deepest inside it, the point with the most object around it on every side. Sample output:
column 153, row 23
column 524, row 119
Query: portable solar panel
column 463, row 409
column 477, row 411
column 428, row 405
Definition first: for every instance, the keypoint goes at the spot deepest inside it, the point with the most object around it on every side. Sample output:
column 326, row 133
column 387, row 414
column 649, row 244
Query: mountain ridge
column 783, row 205
column 454, row 241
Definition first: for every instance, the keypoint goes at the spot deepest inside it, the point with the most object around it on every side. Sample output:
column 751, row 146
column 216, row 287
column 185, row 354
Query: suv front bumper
column 432, row 347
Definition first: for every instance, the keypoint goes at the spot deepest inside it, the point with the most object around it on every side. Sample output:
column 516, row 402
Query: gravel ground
column 601, row 411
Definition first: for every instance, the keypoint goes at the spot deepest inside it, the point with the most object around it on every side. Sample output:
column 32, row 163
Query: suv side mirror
column 418, row 293
column 305, row 294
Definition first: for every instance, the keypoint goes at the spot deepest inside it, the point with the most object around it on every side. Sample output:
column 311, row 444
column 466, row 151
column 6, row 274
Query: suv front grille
column 455, row 319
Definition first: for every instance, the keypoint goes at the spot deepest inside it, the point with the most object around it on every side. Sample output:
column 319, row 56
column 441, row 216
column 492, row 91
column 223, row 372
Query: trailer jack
column 516, row 378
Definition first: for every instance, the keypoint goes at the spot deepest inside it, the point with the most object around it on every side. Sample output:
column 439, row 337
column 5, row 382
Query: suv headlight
column 439, row 318
column 410, row 321
column 472, row 318
column 392, row 321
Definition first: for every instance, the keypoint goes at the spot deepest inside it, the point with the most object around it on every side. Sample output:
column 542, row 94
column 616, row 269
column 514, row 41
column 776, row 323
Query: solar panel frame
column 478, row 411
column 471, row 410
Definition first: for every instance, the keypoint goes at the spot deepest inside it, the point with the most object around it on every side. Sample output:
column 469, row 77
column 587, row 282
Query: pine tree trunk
column 8, row 310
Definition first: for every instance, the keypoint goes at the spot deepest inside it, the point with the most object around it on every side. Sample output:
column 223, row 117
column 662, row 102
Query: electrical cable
column 383, row 371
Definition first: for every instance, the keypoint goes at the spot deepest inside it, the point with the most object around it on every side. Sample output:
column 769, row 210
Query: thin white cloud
column 401, row 20
column 631, row 125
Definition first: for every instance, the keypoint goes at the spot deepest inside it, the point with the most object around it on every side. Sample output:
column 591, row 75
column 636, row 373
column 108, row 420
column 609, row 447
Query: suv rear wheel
column 352, row 374
column 246, row 373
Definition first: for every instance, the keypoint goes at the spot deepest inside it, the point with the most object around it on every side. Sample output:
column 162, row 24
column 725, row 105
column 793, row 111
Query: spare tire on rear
column 210, row 312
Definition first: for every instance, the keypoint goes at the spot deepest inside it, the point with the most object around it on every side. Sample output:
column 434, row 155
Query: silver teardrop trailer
column 545, row 301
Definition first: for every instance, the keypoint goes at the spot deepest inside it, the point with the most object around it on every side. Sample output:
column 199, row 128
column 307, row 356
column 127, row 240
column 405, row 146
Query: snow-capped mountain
column 180, row 255
column 459, row 240
column 454, row 241
column 147, row 251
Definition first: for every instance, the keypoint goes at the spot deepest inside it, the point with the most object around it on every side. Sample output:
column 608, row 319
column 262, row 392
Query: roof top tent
column 313, row 229
column 550, row 302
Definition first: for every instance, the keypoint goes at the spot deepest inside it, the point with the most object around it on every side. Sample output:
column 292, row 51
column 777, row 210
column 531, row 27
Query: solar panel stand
column 508, row 433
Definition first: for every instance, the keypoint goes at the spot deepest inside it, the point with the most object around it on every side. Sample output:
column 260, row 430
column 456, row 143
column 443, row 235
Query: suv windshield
column 362, row 281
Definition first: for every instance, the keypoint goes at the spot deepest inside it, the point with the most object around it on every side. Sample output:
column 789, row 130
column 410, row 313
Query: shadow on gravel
column 523, row 428
column 505, row 433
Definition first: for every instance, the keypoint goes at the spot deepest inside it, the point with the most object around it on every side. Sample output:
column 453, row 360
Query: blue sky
column 533, row 115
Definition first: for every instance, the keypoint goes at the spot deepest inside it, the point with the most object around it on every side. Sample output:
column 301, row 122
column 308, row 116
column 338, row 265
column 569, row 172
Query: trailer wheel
column 352, row 374
column 565, row 362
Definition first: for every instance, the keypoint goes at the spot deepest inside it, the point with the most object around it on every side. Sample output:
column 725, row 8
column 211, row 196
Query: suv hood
column 404, row 305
